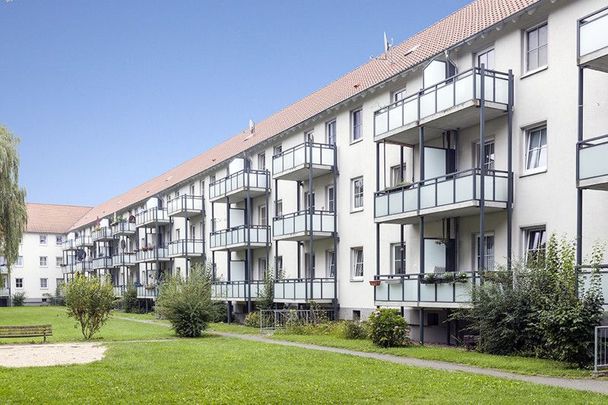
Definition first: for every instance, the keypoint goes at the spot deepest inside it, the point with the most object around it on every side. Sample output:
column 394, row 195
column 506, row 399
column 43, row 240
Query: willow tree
column 13, row 212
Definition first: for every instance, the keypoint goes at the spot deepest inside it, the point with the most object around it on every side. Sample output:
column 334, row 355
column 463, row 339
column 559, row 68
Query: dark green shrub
column 89, row 300
column 129, row 300
column 353, row 330
column 253, row 319
column 387, row 328
column 19, row 299
column 186, row 303
column 219, row 312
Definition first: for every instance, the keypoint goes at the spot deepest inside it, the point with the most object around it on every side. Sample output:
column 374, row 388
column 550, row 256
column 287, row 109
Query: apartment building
column 38, row 270
column 399, row 184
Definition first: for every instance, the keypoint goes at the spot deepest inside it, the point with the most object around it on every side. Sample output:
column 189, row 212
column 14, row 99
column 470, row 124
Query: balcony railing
column 102, row 263
column 585, row 278
column 152, row 254
column 83, row 241
column 152, row 216
column 298, row 290
column 102, row 234
column 69, row 244
column 442, row 192
column 236, row 290
column 254, row 181
column 240, row 237
column 440, row 97
column 149, row 291
column 119, row 290
column 123, row 228
column 123, row 259
column 593, row 40
column 411, row 288
column 3, row 292
column 321, row 157
column 185, row 206
column 299, row 224
column 592, row 162
column 84, row 265
column 186, row 247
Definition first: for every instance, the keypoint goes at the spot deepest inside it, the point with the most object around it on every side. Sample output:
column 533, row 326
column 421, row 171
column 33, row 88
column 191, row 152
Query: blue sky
column 107, row 94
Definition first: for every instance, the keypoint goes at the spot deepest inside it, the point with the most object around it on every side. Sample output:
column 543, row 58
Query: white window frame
column 46, row 283
column 58, row 240
column 46, row 261
column 278, row 208
column 329, row 124
column 330, row 198
column 42, row 239
column 490, row 165
column 543, row 148
column 58, row 261
column 330, row 268
column 357, row 263
column 527, row 49
column 307, row 257
column 262, row 267
column 477, row 251
column 395, row 174
column 353, row 127
column 279, row 265
column 263, row 214
column 485, row 51
column 354, row 195
column 393, row 256
column 398, row 95
column 527, row 232
column 262, row 161
column 19, row 262
column 277, row 149
column 19, row 280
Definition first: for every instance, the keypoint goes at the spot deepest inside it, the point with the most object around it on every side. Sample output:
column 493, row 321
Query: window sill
column 353, row 142
column 356, row 280
column 533, row 173
column 355, row 210
column 535, row 71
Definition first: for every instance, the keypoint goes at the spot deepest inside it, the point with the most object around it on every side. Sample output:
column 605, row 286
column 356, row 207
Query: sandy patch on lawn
column 50, row 355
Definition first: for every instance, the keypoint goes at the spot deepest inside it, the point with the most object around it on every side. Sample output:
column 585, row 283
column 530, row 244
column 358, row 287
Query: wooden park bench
column 26, row 331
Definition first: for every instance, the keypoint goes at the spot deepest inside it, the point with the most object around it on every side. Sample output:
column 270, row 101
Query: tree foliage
column 13, row 212
column 186, row 302
column 89, row 300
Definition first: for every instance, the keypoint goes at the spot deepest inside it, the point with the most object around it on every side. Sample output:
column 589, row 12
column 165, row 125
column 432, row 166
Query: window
column 278, row 208
column 536, row 241
column 19, row 261
column 356, row 315
column 59, row 282
column 356, row 255
column 43, row 239
column 437, row 71
column 58, row 261
column 277, row 150
column 309, row 136
column 398, row 253
column 19, row 283
column 44, row 283
column 263, row 215
column 330, row 132
column 177, row 234
column 261, row 268
column 58, row 240
column 192, row 190
column 330, row 263
column 309, row 202
column 175, row 194
column 262, row 161
column 536, row 149
column 488, row 155
column 536, row 48
column 355, row 123
column 398, row 95
column 357, row 193
column 397, row 175
column 488, row 262
column 309, row 273
column 43, row 261
column 192, row 231
column 212, row 179
column 279, row 266
column 331, row 198
column 486, row 58
column 432, row 319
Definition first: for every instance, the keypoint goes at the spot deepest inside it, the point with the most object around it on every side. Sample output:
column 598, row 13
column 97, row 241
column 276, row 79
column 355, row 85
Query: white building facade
column 335, row 196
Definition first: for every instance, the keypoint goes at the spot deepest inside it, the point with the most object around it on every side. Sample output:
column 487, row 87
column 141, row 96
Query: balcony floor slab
column 463, row 209
column 595, row 183
column 301, row 173
column 597, row 60
column 304, row 236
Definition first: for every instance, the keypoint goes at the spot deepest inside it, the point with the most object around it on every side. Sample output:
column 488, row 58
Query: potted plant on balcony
column 375, row 282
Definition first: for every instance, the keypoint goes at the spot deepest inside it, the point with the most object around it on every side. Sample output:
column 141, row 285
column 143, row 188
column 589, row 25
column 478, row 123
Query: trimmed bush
column 252, row 319
column 129, row 299
column 89, row 300
column 387, row 328
column 186, row 303
column 18, row 299
column 353, row 330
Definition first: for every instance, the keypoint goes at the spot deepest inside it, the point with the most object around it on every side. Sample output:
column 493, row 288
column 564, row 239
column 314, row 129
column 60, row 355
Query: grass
column 66, row 330
column 225, row 370
column 515, row 364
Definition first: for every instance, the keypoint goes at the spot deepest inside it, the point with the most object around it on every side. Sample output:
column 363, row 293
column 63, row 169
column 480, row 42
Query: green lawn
column 516, row 364
column 224, row 370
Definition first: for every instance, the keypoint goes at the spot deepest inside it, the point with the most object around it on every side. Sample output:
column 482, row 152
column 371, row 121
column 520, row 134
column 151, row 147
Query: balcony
column 84, row 265
column 68, row 268
column 102, row 263
column 593, row 41
column 83, row 241
column 124, row 259
column 298, row 225
column 235, row 290
column 185, row 206
column 152, row 254
column 452, row 195
column 186, row 247
column 102, row 234
column 147, row 291
column 123, row 228
column 301, row 290
column 296, row 163
column 69, row 244
column 592, row 170
column 450, row 104
column 585, row 278
column 152, row 217
column 240, row 237
column 239, row 185
column 416, row 290
column 4, row 292
column 119, row 290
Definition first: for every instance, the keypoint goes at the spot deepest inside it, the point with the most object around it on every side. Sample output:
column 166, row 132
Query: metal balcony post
column 482, row 168
column 579, row 191
column 510, row 171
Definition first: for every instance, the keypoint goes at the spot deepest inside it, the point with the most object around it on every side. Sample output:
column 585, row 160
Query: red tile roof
column 51, row 218
column 450, row 31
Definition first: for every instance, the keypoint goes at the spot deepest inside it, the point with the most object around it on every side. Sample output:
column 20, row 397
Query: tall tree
column 13, row 211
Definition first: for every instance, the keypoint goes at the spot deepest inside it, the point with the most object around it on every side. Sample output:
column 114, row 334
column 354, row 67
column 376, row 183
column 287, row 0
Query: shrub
column 186, row 303
column 353, row 330
column 219, row 312
column 129, row 299
column 253, row 319
column 89, row 300
column 388, row 328
column 19, row 299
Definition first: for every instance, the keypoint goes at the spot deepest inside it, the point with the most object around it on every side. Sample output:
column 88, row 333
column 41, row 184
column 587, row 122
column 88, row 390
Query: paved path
column 581, row 384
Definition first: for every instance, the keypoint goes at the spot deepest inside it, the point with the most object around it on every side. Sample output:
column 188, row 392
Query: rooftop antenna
column 387, row 45
column 251, row 126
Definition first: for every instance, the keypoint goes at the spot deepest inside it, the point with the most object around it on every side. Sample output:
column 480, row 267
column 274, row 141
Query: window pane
column 542, row 35
column 532, row 40
column 542, row 56
column 533, row 59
